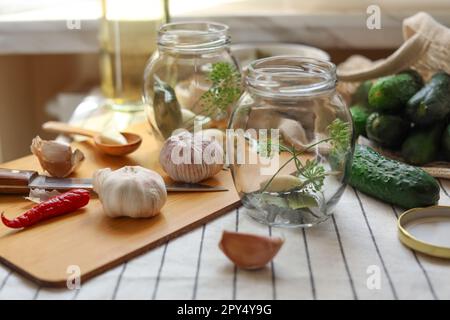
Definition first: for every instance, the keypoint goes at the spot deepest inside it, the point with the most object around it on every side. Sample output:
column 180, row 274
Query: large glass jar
column 290, row 142
column 191, row 80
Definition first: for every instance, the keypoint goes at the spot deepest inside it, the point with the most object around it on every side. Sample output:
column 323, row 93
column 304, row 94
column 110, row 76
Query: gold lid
column 413, row 242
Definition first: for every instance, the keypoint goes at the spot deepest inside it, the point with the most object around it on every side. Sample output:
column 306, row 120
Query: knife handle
column 15, row 181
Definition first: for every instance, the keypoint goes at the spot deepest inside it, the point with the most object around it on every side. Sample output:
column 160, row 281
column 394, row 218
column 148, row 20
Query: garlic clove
column 189, row 91
column 249, row 251
column 112, row 136
column 56, row 158
column 281, row 183
column 293, row 133
column 189, row 119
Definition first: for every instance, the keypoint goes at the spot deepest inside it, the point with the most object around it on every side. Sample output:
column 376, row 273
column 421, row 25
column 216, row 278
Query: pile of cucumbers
column 400, row 112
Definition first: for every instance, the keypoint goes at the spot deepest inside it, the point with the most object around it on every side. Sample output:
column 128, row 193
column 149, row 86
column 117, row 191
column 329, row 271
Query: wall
column 27, row 83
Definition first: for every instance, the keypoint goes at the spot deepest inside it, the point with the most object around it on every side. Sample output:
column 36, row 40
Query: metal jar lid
column 426, row 230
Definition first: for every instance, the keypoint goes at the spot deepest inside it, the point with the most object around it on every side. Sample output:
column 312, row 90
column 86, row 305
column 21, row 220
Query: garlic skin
column 56, row 158
column 190, row 158
column 131, row 191
column 249, row 251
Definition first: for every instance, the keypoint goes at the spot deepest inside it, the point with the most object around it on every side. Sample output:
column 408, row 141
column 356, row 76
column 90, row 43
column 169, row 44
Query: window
column 90, row 9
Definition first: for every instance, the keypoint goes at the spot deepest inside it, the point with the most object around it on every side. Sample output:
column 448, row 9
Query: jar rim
column 291, row 76
column 189, row 36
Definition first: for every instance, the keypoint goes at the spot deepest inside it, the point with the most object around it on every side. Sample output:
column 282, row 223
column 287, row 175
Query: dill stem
column 294, row 156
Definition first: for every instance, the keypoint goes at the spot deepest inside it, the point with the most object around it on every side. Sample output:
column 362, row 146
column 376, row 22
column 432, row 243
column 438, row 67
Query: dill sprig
column 340, row 134
column 225, row 89
column 312, row 171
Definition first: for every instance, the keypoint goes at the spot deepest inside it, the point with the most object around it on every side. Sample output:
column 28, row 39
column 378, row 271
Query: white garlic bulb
column 56, row 158
column 131, row 191
column 190, row 158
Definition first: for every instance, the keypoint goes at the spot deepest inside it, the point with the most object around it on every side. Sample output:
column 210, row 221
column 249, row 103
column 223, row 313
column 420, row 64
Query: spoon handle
column 61, row 127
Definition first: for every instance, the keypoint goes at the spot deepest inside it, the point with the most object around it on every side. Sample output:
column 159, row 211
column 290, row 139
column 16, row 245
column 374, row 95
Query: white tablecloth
column 330, row 261
column 334, row 260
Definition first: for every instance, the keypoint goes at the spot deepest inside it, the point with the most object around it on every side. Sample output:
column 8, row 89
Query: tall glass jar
column 192, row 79
column 290, row 142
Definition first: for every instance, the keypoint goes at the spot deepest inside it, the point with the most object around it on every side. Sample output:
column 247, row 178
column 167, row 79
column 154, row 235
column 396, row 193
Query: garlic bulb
column 190, row 158
column 56, row 158
column 249, row 251
column 131, row 191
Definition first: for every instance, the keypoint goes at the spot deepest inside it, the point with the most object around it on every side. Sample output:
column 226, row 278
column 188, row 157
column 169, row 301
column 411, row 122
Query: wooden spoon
column 134, row 140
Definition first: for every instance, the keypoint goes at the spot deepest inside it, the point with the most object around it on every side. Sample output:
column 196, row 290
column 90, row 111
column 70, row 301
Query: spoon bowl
column 133, row 140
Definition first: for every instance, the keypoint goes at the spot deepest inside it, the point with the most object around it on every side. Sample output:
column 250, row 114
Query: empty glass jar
column 191, row 79
column 291, row 142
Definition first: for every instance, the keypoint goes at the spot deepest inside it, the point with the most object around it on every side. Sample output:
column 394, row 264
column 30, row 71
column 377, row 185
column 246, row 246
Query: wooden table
column 339, row 259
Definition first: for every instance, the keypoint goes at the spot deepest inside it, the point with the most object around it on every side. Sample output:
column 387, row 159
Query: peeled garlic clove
column 189, row 119
column 188, row 158
column 187, row 115
column 56, row 158
column 112, row 136
column 293, row 133
column 189, row 91
column 249, row 251
column 281, row 183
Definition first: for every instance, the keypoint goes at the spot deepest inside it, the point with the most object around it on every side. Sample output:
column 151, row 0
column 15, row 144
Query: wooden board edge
column 87, row 276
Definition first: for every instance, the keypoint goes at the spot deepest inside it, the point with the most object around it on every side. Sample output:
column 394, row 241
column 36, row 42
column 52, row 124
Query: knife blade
column 21, row 181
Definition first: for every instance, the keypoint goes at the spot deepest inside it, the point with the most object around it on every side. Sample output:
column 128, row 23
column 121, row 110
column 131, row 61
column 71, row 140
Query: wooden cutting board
column 91, row 240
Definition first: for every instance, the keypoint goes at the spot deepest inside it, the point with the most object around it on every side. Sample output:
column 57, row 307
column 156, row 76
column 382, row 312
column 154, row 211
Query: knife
column 21, row 181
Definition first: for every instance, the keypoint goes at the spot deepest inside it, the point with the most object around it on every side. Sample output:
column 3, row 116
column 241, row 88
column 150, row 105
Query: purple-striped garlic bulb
column 191, row 158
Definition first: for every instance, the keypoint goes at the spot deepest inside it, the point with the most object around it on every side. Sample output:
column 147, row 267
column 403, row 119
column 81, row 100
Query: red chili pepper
column 53, row 207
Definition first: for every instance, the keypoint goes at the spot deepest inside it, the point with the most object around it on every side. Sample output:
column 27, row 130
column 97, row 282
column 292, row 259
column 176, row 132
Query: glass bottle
column 128, row 36
column 290, row 142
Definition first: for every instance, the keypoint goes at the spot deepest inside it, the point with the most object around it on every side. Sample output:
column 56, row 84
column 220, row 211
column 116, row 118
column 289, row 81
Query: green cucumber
column 422, row 145
column 361, row 95
column 359, row 116
column 431, row 104
column 392, row 181
column 445, row 143
column 386, row 129
column 391, row 93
